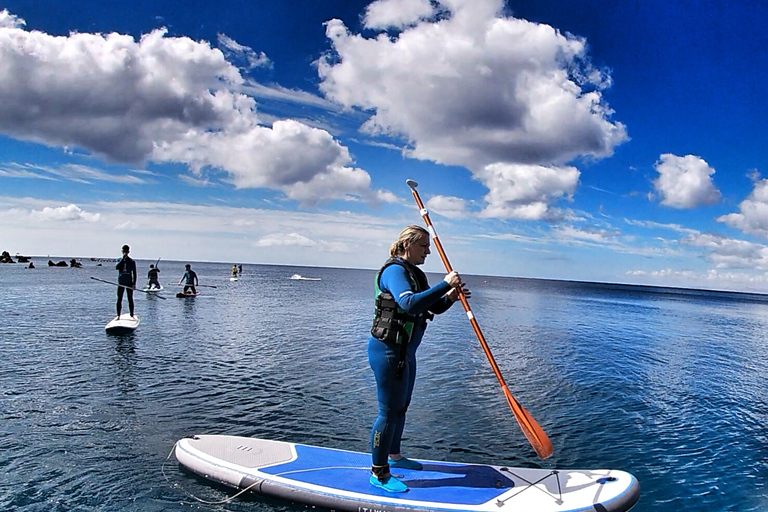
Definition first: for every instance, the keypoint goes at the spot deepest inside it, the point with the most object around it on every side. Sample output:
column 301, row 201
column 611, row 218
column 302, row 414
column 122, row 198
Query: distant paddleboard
column 123, row 324
column 152, row 289
column 233, row 279
column 339, row 480
column 183, row 295
column 299, row 277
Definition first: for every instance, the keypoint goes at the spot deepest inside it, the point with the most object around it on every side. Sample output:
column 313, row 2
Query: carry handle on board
column 533, row 432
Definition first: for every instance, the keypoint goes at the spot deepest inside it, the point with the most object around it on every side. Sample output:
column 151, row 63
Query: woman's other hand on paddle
column 453, row 295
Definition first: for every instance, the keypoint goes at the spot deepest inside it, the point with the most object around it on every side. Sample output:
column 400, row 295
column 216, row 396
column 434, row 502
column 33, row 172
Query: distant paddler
column 234, row 270
column 152, row 276
column 190, row 279
column 126, row 277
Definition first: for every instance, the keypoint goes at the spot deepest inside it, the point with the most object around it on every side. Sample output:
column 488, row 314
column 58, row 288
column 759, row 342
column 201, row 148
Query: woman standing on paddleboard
column 404, row 303
column 126, row 276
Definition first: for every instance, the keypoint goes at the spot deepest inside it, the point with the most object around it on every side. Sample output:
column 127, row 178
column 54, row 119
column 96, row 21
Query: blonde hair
column 408, row 235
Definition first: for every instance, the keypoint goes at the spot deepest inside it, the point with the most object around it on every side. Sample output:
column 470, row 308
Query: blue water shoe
column 405, row 463
column 389, row 483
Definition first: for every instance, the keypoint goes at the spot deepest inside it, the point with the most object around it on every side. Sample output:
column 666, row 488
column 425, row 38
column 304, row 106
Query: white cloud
column 712, row 279
column 383, row 14
column 70, row 212
column 730, row 253
column 474, row 88
column 451, row 207
column 685, row 181
column 753, row 212
column 493, row 89
column 525, row 191
column 164, row 99
column 237, row 51
column 288, row 239
column 8, row 20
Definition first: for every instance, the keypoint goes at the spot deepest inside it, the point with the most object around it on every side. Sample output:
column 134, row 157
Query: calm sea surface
column 669, row 385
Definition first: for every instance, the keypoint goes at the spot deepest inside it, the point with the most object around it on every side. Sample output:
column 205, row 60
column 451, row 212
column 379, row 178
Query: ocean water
column 669, row 385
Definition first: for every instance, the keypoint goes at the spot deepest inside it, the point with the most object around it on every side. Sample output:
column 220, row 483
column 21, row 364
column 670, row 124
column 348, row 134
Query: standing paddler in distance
column 126, row 276
column 404, row 303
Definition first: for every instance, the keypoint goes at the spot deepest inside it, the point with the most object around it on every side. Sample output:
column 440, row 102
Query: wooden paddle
column 533, row 432
column 128, row 287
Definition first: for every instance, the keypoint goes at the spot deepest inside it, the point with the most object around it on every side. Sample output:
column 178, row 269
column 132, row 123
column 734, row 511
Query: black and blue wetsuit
column 152, row 276
column 189, row 279
column 126, row 276
column 395, row 388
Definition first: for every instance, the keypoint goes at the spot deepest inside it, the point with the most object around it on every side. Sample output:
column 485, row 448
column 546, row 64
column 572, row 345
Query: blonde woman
column 404, row 303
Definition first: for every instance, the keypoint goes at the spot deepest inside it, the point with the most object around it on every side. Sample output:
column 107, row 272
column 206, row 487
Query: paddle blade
column 532, row 431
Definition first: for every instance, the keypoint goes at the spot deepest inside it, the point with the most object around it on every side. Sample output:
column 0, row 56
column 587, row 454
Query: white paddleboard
column 339, row 480
column 123, row 324
column 233, row 279
column 152, row 289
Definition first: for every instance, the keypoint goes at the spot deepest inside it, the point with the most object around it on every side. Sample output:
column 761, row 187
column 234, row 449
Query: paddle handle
column 127, row 287
column 532, row 431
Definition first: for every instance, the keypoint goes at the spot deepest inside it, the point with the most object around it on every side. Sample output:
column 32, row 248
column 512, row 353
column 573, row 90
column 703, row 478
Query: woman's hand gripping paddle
column 533, row 432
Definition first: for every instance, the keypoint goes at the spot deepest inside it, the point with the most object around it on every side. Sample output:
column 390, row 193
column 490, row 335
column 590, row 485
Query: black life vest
column 390, row 323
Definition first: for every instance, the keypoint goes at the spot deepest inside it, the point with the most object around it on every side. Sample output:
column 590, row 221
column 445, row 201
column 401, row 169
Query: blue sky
column 577, row 140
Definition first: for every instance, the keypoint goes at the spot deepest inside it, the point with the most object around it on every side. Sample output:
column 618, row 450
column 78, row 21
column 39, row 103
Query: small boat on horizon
column 299, row 277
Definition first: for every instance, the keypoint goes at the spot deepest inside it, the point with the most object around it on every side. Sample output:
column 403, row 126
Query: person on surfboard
column 404, row 303
column 190, row 279
column 126, row 277
column 152, row 276
column 234, row 270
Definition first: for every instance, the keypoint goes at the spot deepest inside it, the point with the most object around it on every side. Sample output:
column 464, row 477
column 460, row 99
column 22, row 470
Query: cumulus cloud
column 451, row 207
column 70, row 212
column 8, row 20
column 469, row 86
column 519, row 191
column 298, row 240
column 163, row 99
column 383, row 14
column 685, row 181
column 753, row 212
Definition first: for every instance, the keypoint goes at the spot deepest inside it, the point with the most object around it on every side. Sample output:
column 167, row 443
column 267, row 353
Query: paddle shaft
column 207, row 285
column 127, row 287
column 533, row 432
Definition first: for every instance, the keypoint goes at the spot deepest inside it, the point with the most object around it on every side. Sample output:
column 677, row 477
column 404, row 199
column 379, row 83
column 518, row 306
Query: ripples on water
column 668, row 386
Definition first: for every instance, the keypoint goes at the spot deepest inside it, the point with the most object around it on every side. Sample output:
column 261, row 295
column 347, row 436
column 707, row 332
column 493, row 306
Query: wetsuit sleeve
column 441, row 306
column 394, row 279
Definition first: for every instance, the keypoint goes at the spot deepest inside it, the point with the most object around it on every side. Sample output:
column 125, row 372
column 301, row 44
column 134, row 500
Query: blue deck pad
column 439, row 482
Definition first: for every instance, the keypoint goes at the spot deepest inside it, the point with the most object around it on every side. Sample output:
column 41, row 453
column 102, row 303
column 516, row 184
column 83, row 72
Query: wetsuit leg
column 120, row 290
column 409, row 376
column 393, row 396
column 130, row 300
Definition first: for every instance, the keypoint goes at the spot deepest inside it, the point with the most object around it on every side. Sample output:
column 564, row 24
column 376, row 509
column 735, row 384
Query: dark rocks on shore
column 5, row 257
column 62, row 263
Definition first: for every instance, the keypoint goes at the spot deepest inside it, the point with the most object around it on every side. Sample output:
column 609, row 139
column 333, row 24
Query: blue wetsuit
column 189, row 278
column 394, row 394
